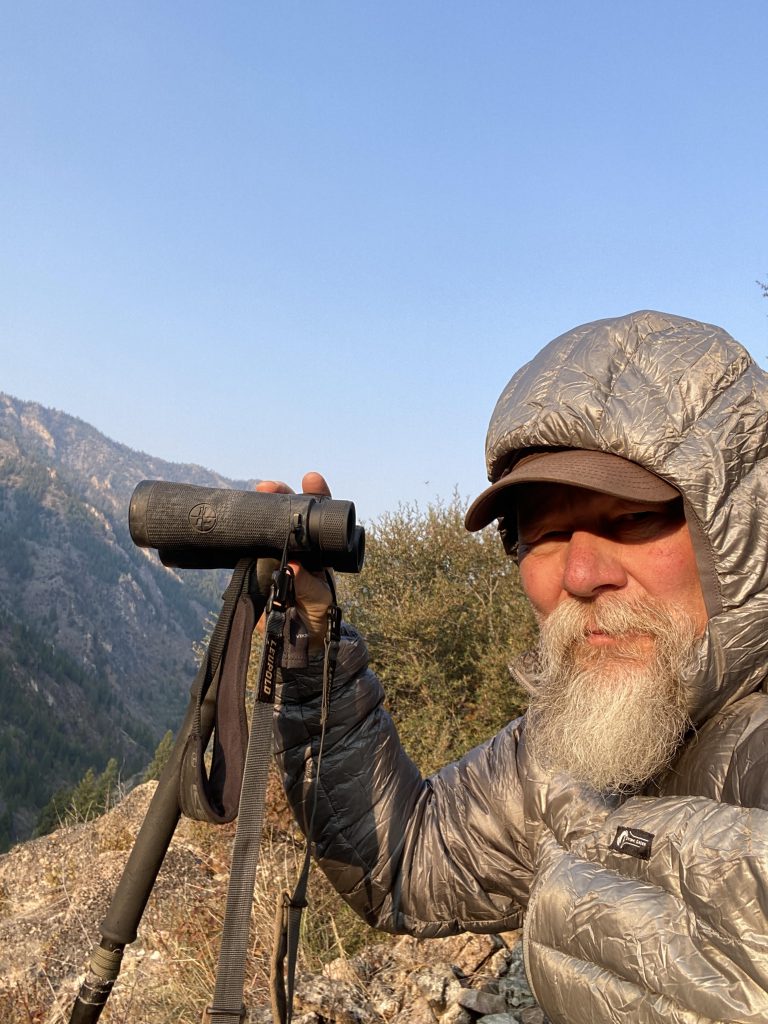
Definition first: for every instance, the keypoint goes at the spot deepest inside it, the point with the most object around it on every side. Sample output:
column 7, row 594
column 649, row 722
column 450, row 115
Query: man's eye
column 639, row 524
column 548, row 537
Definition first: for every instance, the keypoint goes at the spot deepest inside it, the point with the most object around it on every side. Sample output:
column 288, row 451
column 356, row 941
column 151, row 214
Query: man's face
column 616, row 590
column 582, row 545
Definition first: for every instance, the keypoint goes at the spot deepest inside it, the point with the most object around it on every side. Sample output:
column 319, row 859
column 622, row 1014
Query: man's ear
column 509, row 538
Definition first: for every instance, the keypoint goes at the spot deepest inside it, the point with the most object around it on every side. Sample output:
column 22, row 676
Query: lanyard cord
column 290, row 906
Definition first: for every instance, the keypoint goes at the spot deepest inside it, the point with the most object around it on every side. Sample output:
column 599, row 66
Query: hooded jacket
column 649, row 908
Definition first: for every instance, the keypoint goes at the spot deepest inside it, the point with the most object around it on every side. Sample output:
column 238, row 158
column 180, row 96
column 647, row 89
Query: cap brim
column 593, row 471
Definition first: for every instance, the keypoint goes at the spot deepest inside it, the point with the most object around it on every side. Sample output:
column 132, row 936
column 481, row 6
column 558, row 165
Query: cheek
column 539, row 585
column 672, row 575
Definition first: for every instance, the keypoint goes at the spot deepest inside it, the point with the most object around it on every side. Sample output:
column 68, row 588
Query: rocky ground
column 54, row 892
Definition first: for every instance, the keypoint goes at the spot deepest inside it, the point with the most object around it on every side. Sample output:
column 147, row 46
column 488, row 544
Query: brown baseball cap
column 594, row 471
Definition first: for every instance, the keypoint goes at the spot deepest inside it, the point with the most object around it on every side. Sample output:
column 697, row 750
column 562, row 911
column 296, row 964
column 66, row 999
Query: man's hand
column 313, row 596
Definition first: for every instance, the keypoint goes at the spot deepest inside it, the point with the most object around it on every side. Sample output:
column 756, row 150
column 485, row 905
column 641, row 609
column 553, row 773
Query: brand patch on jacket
column 632, row 841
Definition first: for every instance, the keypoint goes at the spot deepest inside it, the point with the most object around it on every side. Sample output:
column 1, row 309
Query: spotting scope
column 210, row 528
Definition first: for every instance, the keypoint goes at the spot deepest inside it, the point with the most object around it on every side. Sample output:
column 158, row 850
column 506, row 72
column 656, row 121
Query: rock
column 498, row 964
column 515, row 991
column 417, row 1012
column 515, row 963
column 342, row 969
column 263, row 1015
column 456, row 1015
column 385, row 1003
column 438, row 985
column 338, row 1001
column 385, row 995
column 473, row 951
column 482, row 1002
column 534, row 1015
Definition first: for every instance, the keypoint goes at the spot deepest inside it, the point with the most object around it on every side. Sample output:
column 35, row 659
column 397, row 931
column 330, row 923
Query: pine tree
column 162, row 753
column 92, row 796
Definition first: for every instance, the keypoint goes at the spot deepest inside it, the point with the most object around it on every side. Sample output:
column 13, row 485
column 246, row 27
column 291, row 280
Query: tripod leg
column 121, row 923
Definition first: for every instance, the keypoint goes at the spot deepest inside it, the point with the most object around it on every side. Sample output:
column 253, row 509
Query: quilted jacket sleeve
column 428, row 857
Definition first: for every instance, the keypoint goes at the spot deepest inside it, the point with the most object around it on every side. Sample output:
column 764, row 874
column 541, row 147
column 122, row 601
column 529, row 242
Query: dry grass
column 189, row 941
column 54, row 893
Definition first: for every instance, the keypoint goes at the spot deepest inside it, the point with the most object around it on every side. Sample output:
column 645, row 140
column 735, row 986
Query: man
column 624, row 818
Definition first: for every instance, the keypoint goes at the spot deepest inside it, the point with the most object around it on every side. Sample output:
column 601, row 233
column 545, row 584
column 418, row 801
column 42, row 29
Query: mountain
column 96, row 636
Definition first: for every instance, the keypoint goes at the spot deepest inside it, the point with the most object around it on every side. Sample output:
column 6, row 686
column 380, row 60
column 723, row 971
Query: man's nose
column 593, row 565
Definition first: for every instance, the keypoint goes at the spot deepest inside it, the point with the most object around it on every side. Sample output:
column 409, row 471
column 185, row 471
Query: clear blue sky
column 265, row 237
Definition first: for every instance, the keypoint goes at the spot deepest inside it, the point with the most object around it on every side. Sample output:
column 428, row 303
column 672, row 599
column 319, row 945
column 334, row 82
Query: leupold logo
column 202, row 517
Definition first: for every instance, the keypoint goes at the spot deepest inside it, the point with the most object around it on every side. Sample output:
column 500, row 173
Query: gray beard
column 612, row 717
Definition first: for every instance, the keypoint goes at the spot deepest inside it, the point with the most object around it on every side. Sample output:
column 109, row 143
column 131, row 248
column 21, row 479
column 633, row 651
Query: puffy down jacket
column 681, row 936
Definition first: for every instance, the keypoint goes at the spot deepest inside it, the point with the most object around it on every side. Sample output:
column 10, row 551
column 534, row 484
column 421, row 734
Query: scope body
column 209, row 527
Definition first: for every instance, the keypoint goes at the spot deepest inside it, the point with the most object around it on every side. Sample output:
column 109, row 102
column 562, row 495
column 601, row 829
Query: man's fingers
column 315, row 483
column 312, row 592
column 312, row 483
column 274, row 487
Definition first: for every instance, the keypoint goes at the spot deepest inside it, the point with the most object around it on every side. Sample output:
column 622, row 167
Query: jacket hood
column 684, row 400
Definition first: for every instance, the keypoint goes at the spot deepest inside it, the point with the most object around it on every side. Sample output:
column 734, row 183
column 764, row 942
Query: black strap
column 213, row 796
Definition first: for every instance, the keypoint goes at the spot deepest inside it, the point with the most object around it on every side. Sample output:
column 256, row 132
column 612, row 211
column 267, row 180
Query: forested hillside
column 95, row 635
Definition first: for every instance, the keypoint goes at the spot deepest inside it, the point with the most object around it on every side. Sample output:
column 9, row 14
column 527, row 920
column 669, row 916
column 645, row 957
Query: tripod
column 236, row 786
column 200, row 527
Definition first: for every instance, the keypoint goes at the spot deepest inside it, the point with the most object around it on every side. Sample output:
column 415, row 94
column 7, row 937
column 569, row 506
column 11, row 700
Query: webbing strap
column 227, row 1005
column 285, row 950
column 230, row 974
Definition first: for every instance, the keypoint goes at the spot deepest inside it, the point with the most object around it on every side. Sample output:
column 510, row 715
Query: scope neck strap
column 213, row 796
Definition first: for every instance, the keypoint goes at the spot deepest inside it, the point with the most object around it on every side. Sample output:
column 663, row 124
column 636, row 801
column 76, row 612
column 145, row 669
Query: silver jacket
column 490, row 841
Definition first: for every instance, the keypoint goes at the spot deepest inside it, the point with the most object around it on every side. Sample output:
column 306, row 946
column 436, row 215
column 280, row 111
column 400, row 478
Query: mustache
column 564, row 632
column 614, row 616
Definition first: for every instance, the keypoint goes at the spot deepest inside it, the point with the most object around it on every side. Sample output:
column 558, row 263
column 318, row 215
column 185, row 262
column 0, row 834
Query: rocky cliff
column 96, row 636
